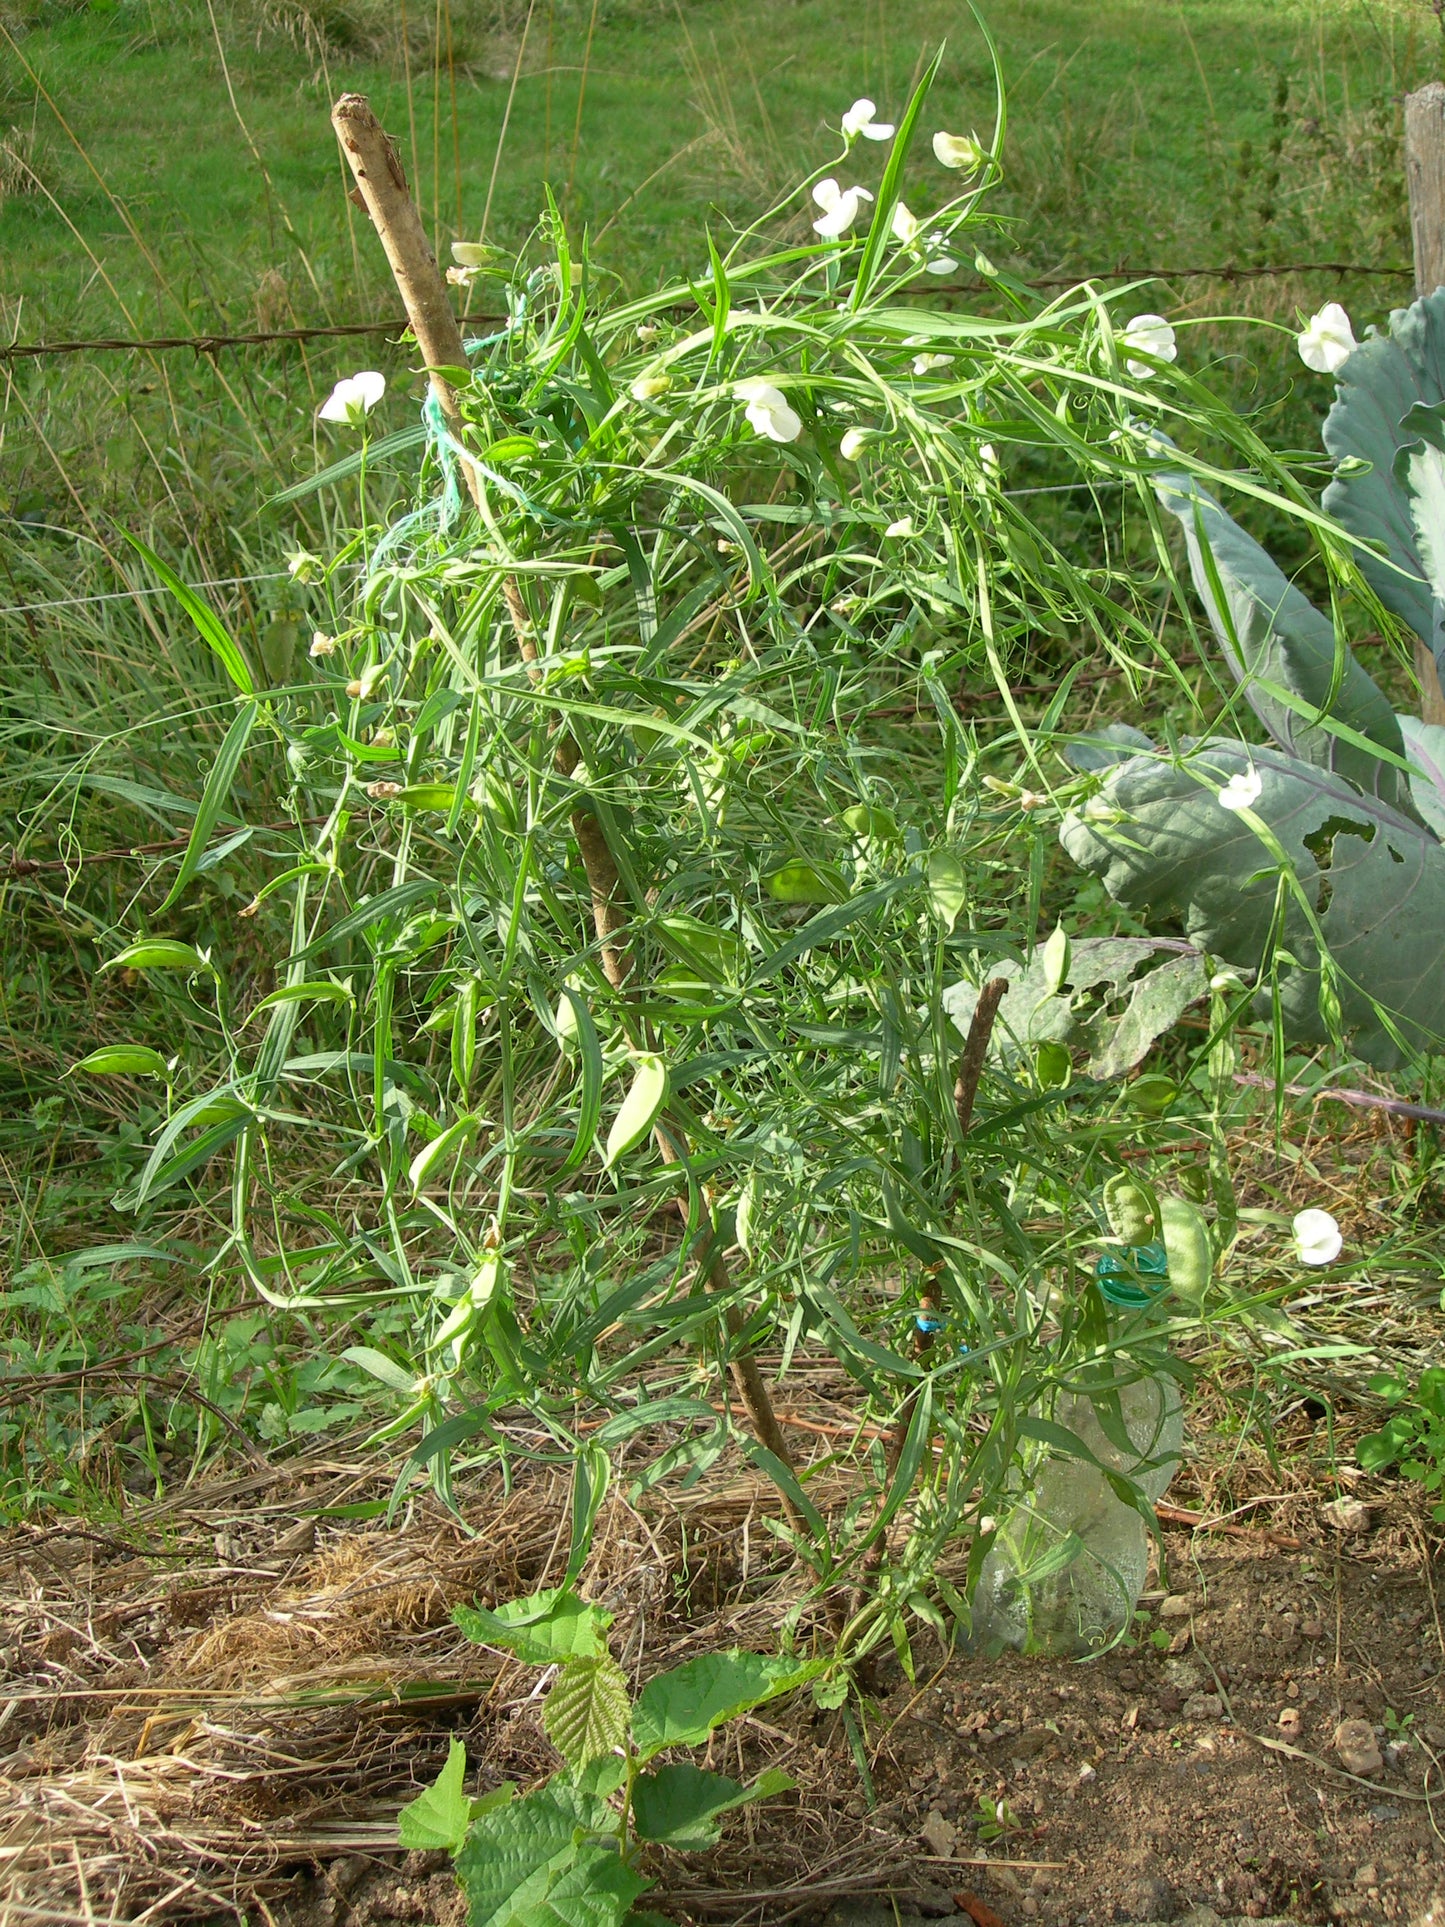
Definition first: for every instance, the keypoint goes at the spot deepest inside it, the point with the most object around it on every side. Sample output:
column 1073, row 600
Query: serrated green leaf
column 644, row 1099
column 588, row 1709
column 122, row 1060
column 683, row 1805
column 532, row 1864
column 682, row 1707
column 548, row 1627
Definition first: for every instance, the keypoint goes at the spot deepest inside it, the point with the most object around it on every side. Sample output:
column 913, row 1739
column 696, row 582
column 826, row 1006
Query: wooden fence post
column 1425, row 178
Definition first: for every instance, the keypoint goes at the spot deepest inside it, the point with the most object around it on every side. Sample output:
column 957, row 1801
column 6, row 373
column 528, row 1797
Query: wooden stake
column 1425, row 178
column 382, row 185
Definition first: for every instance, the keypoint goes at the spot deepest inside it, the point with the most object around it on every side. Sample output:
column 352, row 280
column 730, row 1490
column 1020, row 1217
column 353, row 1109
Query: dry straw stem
column 383, row 189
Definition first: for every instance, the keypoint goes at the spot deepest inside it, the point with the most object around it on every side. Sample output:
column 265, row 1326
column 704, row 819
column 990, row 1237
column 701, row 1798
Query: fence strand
column 211, row 344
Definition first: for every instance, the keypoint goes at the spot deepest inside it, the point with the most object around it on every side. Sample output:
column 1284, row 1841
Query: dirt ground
column 215, row 1710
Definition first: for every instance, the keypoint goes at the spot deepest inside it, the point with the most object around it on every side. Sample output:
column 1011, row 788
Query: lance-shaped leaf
column 1385, row 394
column 1271, row 634
column 1375, row 880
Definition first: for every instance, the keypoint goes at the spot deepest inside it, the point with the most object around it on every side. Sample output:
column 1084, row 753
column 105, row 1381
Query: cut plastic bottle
column 1070, row 1557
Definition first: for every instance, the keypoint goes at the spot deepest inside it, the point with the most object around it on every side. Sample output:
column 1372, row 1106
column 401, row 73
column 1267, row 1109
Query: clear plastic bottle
column 1069, row 1558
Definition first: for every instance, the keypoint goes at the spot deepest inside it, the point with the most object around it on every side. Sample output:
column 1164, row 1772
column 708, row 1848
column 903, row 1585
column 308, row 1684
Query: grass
column 194, row 185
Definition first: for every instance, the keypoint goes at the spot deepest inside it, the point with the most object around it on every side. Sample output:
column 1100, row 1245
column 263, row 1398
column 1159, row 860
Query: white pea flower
column 992, row 466
column 649, row 387
column 303, row 566
column 859, row 120
column 940, row 264
column 322, row 644
column 840, row 208
column 1148, row 334
column 353, row 399
column 906, row 226
column 768, row 411
column 853, row 444
column 925, row 364
column 1329, row 340
column 959, row 151
column 1317, row 1238
column 901, row 529
column 1242, row 791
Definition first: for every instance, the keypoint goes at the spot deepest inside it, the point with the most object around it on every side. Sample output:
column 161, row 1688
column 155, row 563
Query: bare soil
column 214, row 1706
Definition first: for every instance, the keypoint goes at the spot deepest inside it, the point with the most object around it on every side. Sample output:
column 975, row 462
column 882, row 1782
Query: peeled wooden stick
column 384, row 193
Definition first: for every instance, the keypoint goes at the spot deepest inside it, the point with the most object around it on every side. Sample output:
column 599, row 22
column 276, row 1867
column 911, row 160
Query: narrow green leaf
column 214, row 797
column 387, row 903
column 161, row 953
column 122, row 1060
column 441, row 1149
column 204, row 617
column 890, row 187
column 589, row 1055
column 318, row 990
column 641, row 1105
column 380, row 1366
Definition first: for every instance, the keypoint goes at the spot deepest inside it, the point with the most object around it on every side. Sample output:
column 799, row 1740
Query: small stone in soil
column 1148, row 1900
column 1176, row 1606
column 1357, row 1748
column 1347, row 1515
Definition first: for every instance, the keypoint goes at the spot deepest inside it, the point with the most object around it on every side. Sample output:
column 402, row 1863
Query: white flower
column 840, row 208
column 900, row 529
column 353, row 399
column 905, row 225
column 853, row 444
column 1242, row 791
column 859, row 120
column 1148, row 334
column 768, row 411
column 925, row 364
column 322, row 644
column 649, row 387
column 1329, row 340
column 1317, row 1238
column 303, row 566
column 958, row 150
column 992, row 466
column 940, row 264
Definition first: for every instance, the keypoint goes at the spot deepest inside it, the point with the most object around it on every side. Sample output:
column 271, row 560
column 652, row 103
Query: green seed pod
column 1190, row 1249
column 1129, row 1209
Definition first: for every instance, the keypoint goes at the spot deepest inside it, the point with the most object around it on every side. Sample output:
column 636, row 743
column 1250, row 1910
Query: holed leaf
column 1375, row 879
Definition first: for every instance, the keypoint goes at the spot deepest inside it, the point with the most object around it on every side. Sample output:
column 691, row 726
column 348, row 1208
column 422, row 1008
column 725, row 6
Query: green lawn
column 1203, row 130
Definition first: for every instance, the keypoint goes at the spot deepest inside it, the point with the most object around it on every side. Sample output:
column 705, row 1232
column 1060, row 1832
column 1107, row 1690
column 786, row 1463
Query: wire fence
column 210, row 344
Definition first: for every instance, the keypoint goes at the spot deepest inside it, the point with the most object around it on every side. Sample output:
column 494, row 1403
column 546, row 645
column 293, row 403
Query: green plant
column 566, row 1853
column 1315, row 864
column 996, row 1819
column 1413, row 1437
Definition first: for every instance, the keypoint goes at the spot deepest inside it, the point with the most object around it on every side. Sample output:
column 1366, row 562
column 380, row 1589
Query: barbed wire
column 210, row 344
